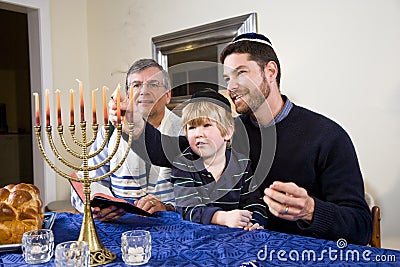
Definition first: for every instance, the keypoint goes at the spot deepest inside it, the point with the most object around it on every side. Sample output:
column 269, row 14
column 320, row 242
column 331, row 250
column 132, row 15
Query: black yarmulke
column 210, row 95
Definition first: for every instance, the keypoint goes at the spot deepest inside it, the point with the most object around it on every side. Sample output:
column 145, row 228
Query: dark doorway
column 15, row 100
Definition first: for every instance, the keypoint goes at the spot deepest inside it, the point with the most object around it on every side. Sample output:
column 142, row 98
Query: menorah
column 99, row 255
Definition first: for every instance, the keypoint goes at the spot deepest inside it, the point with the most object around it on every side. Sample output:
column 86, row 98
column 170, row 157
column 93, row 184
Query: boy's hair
column 199, row 112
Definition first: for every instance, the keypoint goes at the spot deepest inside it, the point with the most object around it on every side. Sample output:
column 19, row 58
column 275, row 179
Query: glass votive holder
column 136, row 247
column 72, row 254
column 37, row 246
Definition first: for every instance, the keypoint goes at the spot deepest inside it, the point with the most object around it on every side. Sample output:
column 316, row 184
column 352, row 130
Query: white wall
column 338, row 58
column 70, row 62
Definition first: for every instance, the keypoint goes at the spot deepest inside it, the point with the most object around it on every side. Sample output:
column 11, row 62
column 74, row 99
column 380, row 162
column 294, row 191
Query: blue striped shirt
column 198, row 196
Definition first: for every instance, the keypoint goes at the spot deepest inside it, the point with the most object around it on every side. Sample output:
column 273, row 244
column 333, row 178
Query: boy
column 211, row 182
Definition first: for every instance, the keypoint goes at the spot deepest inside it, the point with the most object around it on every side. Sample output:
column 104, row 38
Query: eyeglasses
column 150, row 85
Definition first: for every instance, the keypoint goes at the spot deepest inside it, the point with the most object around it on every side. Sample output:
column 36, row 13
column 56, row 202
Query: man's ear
column 271, row 71
column 168, row 97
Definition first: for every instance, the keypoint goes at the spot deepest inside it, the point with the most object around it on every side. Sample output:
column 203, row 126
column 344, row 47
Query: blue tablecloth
column 180, row 243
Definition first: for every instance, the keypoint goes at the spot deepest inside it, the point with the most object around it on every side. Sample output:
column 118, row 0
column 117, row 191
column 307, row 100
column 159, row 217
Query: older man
column 145, row 184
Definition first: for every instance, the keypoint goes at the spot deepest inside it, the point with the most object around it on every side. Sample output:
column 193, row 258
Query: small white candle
column 36, row 249
column 136, row 254
column 138, row 250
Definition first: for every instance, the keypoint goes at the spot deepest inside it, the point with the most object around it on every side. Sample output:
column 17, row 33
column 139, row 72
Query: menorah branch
column 99, row 255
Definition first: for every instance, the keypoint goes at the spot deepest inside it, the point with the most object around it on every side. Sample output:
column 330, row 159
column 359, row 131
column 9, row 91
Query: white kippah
column 252, row 37
column 253, row 40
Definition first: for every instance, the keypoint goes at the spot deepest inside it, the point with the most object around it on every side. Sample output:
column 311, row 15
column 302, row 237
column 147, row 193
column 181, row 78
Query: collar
column 287, row 107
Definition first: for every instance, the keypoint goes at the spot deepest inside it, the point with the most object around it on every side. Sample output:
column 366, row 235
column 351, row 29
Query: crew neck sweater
column 316, row 154
column 305, row 148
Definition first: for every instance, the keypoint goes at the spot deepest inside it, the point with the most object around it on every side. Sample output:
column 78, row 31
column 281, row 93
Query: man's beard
column 256, row 99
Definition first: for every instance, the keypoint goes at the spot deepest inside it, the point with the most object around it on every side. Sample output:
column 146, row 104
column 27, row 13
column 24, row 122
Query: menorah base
column 101, row 257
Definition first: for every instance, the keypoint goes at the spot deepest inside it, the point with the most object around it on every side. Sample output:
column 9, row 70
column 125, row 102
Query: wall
column 70, row 62
column 338, row 58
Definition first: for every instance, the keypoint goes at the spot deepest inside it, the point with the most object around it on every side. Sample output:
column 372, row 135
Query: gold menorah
column 99, row 255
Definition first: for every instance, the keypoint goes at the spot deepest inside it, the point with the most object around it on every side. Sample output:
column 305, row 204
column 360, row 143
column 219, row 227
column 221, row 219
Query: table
column 181, row 243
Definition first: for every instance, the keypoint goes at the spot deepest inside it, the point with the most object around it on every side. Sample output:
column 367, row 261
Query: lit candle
column 58, row 107
column 94, row 106
column 105, row 105
column 131, row 98
column 81, row 101
column 118, row 105
column 37, row 112
column 71, row 104
column 36, row 249
column 135, row 254
column 47, row 108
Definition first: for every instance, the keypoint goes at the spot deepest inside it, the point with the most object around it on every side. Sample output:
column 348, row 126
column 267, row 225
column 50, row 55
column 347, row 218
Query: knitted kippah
column 210, row 95
column 252, row 37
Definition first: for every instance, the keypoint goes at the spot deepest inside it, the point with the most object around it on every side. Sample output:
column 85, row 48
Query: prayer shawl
column 130, row 181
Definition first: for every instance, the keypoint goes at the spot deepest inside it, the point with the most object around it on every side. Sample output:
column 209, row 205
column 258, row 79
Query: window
column 191, row 56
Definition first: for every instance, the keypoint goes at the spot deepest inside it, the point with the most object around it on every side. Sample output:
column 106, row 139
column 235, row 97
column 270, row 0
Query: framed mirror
column 191, row 56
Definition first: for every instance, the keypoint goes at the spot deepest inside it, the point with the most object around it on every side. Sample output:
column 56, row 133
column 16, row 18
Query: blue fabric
column 176, row 242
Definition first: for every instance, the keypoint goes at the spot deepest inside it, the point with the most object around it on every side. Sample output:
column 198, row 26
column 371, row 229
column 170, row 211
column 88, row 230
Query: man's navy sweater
column 315, row 153
column 305, row 148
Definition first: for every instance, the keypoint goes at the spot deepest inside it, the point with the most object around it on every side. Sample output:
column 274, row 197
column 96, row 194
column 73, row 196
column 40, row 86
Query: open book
column 102, row 197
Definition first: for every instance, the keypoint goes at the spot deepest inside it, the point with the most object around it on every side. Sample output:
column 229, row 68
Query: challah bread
column 20, row 211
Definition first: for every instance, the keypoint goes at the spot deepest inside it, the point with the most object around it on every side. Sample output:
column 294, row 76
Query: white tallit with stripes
column 130, row 180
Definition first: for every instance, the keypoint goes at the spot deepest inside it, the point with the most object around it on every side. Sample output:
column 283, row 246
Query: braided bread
column 20, row 211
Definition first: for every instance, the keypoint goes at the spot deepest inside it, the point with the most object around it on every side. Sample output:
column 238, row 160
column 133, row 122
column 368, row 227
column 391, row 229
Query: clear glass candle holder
column 136, row 247
column 37, row 246
column 72, row 254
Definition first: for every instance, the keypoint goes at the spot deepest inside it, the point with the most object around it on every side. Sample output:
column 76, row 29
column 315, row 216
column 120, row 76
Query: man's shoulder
column 312, row 124
column 305, row 115
column 171, row 115
column 171, row 123
column 298, row 118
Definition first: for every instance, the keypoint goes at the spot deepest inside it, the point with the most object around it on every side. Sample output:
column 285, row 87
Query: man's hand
column 150, row 203
column 289, row 201
column 130, row 114
column 232, row 218
column 107, row 214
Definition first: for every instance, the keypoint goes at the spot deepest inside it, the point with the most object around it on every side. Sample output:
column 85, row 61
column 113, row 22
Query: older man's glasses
column 149, row 85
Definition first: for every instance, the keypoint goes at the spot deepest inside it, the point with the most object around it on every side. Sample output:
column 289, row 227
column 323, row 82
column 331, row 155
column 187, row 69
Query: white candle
column 94, row 106
column 105, row 106
column 47, row 108
column 37, row 110
column 118, row 105
column 58, row 107
column 136, row 254
column 36, row 249
column 71, row 104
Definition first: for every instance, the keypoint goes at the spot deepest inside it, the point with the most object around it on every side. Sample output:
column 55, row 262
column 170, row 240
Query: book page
column 99, row 188
column 101, row 196
column 95, row 188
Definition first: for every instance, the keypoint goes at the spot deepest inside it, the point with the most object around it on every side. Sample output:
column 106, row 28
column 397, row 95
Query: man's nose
column 232, row 84
column 144, row 89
